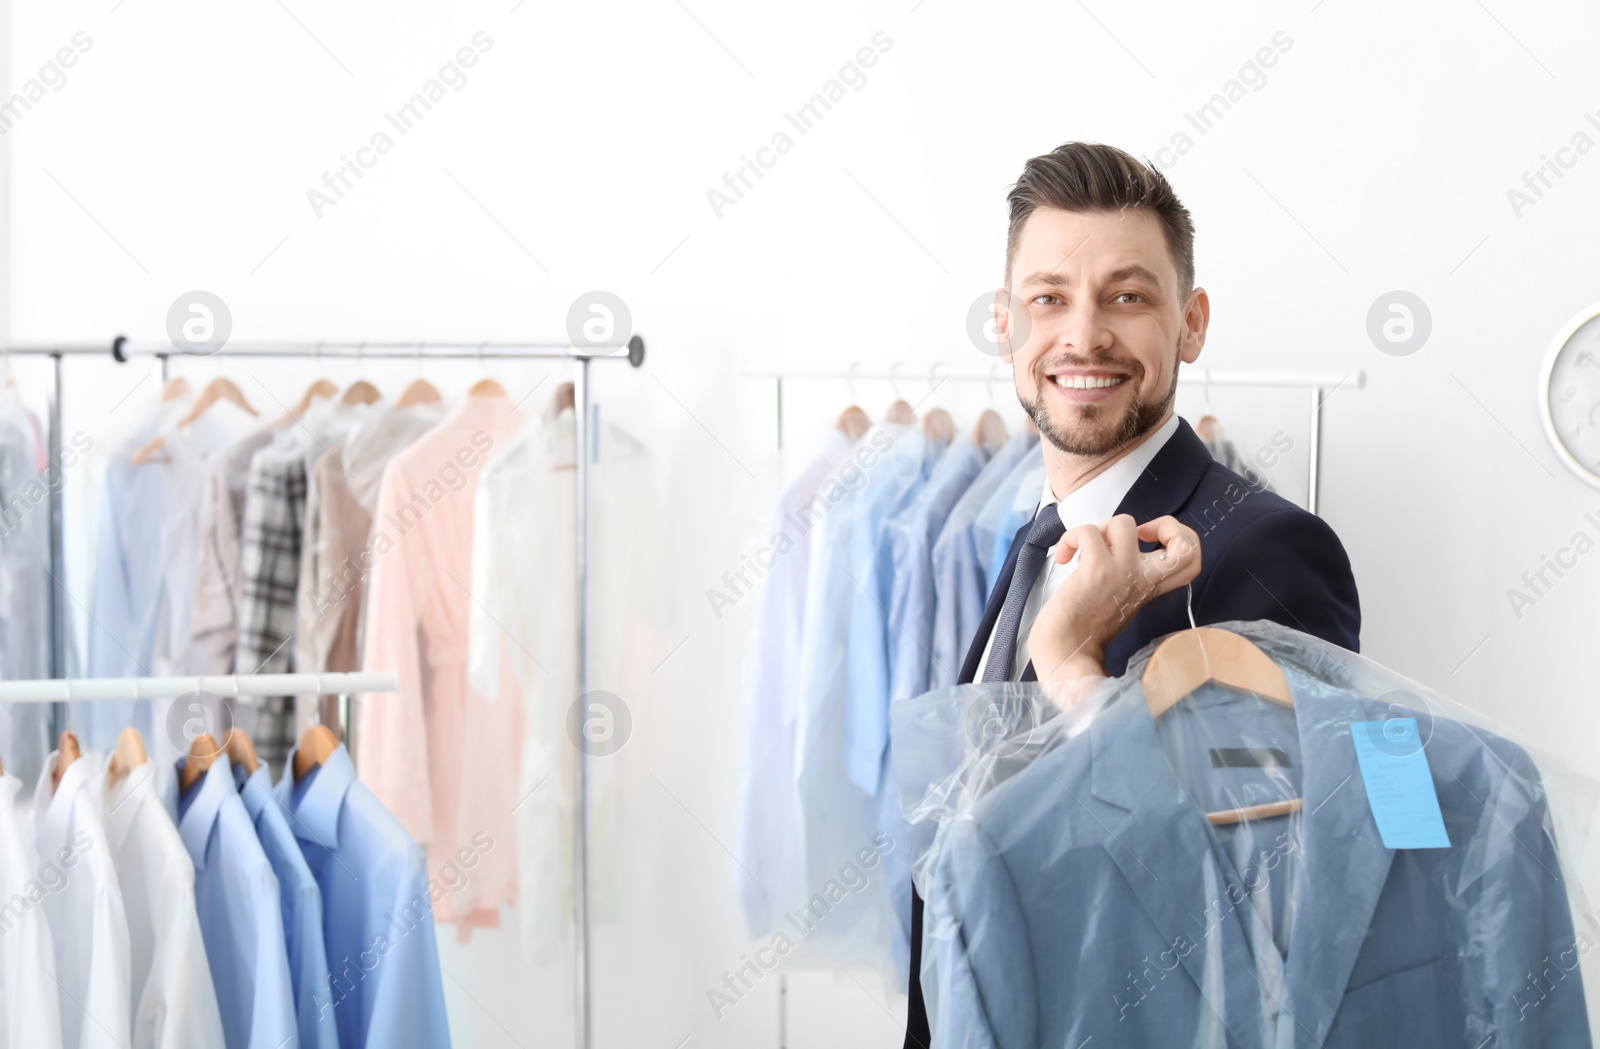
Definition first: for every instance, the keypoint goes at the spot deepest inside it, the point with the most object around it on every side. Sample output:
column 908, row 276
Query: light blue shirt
column 837, row 818
column 958, row 573
column 125, row 600
column 302, row 909
column 1002, row 516
column 377, row 910
column 241, row 920
column 906, row 556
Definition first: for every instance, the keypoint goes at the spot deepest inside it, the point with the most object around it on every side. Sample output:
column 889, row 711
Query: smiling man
column 1101, row 311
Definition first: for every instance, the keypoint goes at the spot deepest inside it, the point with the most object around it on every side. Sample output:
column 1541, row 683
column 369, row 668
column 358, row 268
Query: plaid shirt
column 269, row 561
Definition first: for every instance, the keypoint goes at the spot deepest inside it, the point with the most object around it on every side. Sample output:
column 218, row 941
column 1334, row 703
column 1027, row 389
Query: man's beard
column 1097, row 436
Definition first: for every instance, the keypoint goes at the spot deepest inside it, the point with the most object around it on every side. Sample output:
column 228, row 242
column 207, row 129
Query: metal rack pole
column 583, row 458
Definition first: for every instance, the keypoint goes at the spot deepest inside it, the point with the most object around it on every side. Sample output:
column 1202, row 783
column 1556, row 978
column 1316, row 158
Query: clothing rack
column 122, row 349
column 1320, row 384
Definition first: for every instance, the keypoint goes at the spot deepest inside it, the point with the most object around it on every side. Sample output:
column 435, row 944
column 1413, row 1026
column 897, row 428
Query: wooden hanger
column 174, row 389
column 316, row 747
column 938, row 426
column 66, row 753
column 1028, row 425
column 421, row 391
column 900, row 412
column 360, row 392
column 853, row 422
column 1206, row 428
column 565, row 398
column 320, row 388
column 1189, row 659
column 129, row 755
column 240, row 750
column 203, row 753
column 218, row 389
column 486, row 388
column 990, row 430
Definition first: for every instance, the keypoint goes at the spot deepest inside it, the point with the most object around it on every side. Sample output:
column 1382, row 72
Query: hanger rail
column 62, row 690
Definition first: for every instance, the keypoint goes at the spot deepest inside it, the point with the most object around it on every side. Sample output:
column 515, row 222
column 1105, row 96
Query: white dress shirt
column 85, row 912
column 174, row 1003
column 1090, row 503
column 30, row 1016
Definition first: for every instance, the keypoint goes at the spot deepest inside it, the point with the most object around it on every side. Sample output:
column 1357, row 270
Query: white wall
column 578, row 155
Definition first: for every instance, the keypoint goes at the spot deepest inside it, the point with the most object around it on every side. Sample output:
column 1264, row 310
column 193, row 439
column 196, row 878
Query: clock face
column 1571, row 397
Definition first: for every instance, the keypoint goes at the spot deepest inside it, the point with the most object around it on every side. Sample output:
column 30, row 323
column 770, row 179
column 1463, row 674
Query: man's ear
column 1196, row 318
column 1001, row 311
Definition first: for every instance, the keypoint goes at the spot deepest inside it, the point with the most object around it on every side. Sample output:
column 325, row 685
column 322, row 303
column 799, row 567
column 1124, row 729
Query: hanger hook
column 1192, row 624
column 934, row 382
column 1206, row 389
column 988, row 382
column 850, row 380
column 892, row 384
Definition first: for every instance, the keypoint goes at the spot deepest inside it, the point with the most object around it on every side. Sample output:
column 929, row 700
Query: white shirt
column 85, row 910
column 30, row 1015
column 1090, row 503
column 174, row 1002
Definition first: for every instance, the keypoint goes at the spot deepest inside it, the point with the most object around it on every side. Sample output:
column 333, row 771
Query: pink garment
column 442, row 758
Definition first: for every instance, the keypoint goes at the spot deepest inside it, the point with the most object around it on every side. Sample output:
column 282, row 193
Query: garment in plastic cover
column 1427, row 891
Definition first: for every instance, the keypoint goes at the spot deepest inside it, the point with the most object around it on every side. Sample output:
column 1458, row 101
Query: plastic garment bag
column 1427, row 891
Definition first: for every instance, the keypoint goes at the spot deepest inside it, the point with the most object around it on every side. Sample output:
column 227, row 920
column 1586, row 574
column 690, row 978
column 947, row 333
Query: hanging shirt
column 302, row 910
column 1092, row 502
column 341, row 497
column 767, row 850
column 30, row 1012
column 1012, row 503
column 377, row 909
column 25, row 628
column 87, row 921
column 214, row 606
column 125, row 601
column 174, row 1003
column 241, row 920
column 414, row 743
column 958, row 575
column 523, row 640
column 838, row 820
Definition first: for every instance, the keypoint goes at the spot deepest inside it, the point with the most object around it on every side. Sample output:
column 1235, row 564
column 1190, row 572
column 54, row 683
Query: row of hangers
column 317, row 744
column 420, row 391
column 937, row 424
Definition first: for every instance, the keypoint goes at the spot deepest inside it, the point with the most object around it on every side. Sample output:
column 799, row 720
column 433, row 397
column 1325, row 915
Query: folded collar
column 124, row 800
column 255, row 789
column 204, row 802
column 316, row 813
column 52, row 812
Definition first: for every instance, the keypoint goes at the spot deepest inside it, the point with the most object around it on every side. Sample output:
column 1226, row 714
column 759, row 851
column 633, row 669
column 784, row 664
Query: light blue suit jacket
column 1086, row 898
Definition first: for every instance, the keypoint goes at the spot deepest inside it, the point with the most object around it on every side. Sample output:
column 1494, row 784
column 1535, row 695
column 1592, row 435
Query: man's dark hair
column 1090, row 176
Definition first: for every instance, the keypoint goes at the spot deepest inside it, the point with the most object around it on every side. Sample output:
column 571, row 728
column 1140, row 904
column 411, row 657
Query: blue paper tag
column 1394, row 768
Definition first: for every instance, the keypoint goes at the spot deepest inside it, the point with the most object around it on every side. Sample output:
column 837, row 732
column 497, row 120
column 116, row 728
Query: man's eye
column 1047, row 299
column 1129, row 295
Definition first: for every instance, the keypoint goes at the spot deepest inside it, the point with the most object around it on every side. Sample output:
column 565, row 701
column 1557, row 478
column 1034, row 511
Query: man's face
column 1097, row 364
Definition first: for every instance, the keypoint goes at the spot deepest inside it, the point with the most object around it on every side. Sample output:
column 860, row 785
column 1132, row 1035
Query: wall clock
column 1569, row 395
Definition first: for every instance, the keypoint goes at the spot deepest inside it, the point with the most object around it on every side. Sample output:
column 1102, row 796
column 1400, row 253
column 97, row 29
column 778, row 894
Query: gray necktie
column 1046, row 532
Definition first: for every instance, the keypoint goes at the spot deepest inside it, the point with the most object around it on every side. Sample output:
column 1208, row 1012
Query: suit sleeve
column 1288, row 567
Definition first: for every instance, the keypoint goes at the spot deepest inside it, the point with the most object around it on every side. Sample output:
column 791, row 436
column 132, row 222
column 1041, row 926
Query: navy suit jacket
column 1261, row 557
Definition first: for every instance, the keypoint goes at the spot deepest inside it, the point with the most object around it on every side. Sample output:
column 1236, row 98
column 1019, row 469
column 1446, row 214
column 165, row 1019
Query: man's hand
column 1113, row 581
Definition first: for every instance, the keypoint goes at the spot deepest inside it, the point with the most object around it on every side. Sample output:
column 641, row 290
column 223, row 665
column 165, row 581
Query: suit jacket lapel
column 991, row 611
column 1344, row 865
column 1163, row 848
column 1167, row 482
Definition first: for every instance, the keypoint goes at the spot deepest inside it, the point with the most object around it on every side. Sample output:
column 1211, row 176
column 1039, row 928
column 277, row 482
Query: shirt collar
column 204, row 801
column 53, row 810
column 124, row 800
column 255, row 789
column 1098, row 497
column 316, row 812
